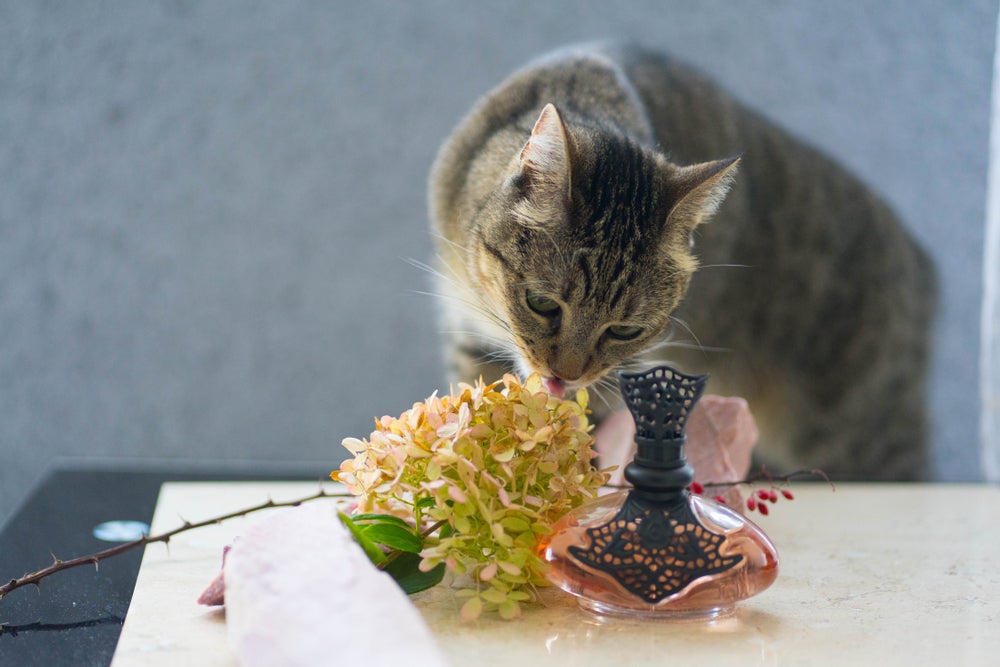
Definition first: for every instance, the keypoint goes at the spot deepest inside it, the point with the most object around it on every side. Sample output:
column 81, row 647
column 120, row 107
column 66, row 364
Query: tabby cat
column 572, row 213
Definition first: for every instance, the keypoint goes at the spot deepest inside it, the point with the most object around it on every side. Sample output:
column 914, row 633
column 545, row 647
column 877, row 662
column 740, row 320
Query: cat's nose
column 566, row 374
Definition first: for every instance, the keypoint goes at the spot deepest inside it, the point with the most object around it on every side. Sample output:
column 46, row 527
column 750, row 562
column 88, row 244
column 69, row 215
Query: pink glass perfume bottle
column 656, row 550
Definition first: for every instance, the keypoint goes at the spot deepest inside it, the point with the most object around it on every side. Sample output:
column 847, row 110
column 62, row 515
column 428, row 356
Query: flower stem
column 396, row 553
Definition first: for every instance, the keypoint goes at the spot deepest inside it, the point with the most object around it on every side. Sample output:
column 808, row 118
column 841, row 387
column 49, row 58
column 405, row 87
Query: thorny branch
column 95, row 558
column 764, row 475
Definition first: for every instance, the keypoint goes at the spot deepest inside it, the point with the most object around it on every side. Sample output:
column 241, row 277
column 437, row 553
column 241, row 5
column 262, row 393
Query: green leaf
column 541, row 529
column 374, row 554
column 494, row 595
column 379, row 518
column 472, row 608
column 406, row 571
column 393, row 536
column 514, row 524
column 463, row 525
column 509, row 610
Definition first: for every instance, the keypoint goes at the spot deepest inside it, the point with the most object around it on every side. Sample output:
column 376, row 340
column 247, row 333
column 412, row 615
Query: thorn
column 55, row 561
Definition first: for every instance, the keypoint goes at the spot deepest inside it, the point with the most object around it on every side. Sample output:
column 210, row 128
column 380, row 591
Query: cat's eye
column 542, row 305
column 624, row 332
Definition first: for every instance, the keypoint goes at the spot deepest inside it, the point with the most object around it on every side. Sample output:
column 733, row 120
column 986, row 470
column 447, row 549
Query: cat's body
column 571, row 250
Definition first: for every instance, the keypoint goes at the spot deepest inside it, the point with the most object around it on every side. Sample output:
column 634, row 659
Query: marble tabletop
column 869, row 574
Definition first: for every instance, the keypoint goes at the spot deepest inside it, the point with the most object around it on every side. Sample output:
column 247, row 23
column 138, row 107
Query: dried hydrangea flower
column 496, row 465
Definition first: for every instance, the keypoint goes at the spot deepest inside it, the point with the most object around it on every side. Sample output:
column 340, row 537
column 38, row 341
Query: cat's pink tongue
column 554, row 386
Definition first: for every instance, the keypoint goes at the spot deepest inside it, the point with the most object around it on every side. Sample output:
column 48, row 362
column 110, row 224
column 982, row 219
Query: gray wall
column 206, row 208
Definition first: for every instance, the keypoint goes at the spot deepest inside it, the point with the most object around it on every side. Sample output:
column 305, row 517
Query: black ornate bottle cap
column 661, row 401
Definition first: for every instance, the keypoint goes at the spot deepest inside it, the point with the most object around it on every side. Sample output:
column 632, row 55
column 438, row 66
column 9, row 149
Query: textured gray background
column 205, row 208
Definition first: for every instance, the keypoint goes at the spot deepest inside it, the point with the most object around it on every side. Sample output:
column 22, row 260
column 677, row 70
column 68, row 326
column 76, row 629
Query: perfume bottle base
column 604, row 609
column 611, row 572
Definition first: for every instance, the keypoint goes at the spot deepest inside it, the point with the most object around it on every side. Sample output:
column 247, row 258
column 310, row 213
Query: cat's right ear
column 544, row 169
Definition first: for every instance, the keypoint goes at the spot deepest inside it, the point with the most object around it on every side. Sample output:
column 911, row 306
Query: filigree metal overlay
column 654, row 552
column 661, row 401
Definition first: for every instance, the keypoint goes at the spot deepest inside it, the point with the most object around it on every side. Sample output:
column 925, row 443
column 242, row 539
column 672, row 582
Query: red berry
column 788, row 494
column 763, row 494
column 751, row 504
column 773, row 496
column 720, row 500
column 763, row 509
column 697, row 488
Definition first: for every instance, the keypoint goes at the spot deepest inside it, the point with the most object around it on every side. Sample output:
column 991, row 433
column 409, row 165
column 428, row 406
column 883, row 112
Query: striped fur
column 558, row 186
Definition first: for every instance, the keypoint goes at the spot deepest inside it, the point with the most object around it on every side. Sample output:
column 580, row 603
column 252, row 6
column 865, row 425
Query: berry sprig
column 759, row 500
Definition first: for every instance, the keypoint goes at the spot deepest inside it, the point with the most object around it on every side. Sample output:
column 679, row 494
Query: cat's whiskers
column 609, row 385
column 498, row 355
column 452, row 279
column 702, row 267
column 495, row 349
column 503, row 355
column 683, row 345
column 725, row 266
column 444, row 240
column 684, row 324
column 641, row 365
column 691, row 346
column 495, row 342
column 477, row 305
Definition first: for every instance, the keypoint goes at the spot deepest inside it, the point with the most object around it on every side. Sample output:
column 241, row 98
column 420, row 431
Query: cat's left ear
column 544, row 167
column 698, row 191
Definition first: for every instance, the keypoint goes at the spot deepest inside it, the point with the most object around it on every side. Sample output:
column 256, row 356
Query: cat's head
column 585, row 249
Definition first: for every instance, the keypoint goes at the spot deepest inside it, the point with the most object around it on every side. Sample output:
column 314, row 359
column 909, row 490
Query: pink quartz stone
column 721, row 435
